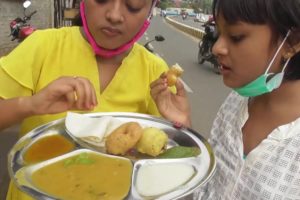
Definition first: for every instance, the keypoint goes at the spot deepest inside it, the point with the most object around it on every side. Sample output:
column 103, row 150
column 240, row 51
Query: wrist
column 25, row 106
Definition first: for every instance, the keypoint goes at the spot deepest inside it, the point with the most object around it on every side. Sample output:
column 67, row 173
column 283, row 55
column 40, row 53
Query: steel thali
column 203, row 165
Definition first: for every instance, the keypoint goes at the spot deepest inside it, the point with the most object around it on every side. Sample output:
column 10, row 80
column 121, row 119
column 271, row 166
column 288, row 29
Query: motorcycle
column 206, row 44
column 158, row 38
column 19, row 27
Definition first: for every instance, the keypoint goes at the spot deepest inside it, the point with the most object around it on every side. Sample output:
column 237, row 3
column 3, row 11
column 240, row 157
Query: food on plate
column 93, row 130
column 180, row 152
column 173, row 73
column 47, row 147
column 89, row 176
column 157, row 179
column 123, row 138
column 152, row 142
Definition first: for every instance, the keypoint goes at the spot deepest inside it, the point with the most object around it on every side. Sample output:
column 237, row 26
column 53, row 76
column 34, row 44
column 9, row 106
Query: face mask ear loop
column 285, row 64
column 275, row 55
column 151, row 10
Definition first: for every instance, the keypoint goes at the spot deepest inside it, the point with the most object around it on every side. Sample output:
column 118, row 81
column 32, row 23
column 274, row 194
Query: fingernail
column 177, row 125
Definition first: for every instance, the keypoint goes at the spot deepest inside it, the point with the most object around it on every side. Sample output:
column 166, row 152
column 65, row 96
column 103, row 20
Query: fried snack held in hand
column 123, row 138
column 152, row 142
column 173, row 73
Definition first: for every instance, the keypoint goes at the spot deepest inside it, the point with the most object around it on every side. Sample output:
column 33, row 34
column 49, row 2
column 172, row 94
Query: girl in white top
column 256, row 134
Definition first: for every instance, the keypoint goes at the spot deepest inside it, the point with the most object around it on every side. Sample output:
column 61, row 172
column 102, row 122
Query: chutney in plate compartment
column 47, row 147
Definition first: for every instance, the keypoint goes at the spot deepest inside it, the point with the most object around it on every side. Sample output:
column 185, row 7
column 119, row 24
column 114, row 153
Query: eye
column 237, row 38
column 132, row 9
column 101, row 1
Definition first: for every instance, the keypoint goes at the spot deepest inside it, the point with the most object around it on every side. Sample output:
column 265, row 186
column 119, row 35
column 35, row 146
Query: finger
column 71, row 98
column 90, row 93
column 94, row 96
column 80, row 93
column 159, row 81
column 163, row 75
column 180, row 87
column 158, row 90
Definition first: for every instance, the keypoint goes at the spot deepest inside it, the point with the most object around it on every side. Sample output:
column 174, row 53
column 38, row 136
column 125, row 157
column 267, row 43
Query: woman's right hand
column 63, row 94
column 174, row 107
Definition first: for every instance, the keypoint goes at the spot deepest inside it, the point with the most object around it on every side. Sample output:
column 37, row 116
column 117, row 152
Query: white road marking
column 186, row 87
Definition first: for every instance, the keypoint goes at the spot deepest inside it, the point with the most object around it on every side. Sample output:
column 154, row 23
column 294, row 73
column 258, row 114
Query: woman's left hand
column 174, row 107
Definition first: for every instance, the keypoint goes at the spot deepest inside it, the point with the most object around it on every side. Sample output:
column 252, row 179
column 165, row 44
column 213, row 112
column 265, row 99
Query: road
column 206, row 97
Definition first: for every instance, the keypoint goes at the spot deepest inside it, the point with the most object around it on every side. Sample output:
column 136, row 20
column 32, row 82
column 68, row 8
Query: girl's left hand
column 174, row 107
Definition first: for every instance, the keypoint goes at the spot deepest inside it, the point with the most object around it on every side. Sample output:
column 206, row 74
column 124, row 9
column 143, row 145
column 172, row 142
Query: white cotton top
column 270, row 171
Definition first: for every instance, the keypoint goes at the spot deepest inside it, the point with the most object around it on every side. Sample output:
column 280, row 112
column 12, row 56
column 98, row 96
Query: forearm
column 13, row 111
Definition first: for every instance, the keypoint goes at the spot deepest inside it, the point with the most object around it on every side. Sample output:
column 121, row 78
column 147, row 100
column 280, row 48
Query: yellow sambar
column 87, row 176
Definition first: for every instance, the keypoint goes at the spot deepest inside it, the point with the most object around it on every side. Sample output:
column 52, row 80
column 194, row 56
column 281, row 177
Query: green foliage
column 164, row 4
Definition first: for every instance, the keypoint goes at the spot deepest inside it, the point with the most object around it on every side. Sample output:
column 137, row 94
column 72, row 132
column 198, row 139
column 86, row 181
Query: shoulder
column 53, row 34
column 149, row 58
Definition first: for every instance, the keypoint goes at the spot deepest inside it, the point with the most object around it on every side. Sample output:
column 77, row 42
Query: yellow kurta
column 49, row 54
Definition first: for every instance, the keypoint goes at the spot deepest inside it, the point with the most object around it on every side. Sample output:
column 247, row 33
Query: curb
column 185, row 28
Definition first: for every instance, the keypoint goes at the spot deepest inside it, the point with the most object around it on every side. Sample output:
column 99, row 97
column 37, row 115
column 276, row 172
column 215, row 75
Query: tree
column 206, row 6
column 163, row 4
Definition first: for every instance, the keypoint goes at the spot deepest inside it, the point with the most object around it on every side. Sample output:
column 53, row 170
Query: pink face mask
column 106, row 52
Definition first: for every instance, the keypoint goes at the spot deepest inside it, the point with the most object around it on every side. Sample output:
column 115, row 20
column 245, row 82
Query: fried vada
column 123, row 138
column 152, row 142
column 173, row 73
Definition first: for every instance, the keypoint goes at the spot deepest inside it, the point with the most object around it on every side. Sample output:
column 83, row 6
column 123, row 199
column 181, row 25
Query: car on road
column 171, row 12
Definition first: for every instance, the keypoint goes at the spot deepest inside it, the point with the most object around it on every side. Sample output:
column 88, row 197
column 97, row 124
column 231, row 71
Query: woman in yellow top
column 97, row 67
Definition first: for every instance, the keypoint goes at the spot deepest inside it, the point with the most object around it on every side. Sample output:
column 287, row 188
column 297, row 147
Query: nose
column 114, row 13
column 219, row 48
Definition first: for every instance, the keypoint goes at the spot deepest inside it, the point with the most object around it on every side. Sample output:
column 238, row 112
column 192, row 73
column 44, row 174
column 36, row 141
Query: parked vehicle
column 158, row 38
column 171, row 12
column 19, row 27
column 206, row 44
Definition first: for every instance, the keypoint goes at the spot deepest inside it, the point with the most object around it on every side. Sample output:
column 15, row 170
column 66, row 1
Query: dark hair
column 280, row 15
column 77, row 21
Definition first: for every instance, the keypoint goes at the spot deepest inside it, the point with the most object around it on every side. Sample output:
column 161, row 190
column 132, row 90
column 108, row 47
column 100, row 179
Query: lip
column 110, row 31
column 224, row 69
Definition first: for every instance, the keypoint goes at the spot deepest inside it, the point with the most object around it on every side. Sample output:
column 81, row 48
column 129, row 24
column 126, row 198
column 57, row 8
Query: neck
column 285, row 96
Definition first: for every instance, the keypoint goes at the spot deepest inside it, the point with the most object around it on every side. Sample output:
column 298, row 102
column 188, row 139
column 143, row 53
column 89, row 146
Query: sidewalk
column 8, row 138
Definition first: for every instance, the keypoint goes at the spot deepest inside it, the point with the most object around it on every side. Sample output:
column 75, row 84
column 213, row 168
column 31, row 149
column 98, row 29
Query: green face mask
column 267, row 82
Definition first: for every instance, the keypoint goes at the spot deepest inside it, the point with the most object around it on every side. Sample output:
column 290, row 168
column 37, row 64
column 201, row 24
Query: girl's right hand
column 174, row 107
column 63, row 94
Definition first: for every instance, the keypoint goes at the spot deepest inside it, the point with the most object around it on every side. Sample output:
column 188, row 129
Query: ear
column 293, row 44
column 291, row 51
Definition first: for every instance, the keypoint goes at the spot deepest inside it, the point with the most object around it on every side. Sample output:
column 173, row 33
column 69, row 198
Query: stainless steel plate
column 203, row 165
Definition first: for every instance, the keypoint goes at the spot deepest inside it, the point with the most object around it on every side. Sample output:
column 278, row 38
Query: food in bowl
column 157, row 179
column 85, row 176
column 47, row 147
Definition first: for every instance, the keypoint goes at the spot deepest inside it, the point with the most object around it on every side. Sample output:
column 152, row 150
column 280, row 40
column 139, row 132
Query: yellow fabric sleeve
column 19, row 71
